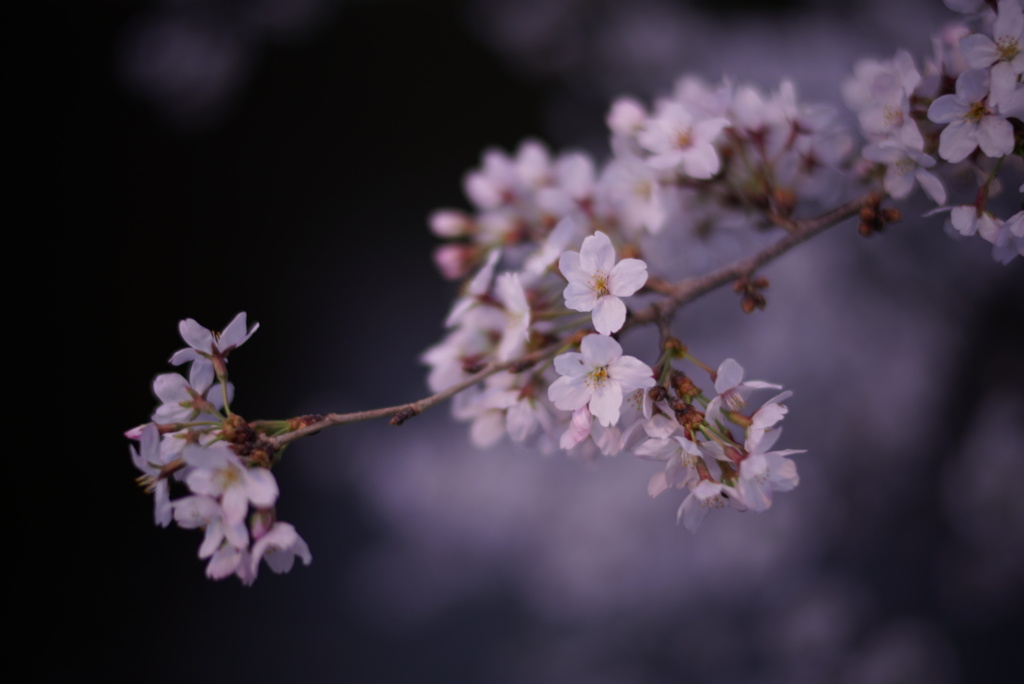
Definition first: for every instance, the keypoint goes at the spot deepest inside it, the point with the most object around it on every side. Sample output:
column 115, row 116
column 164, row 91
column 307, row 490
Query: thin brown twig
column 687, row 290
column 415, row 407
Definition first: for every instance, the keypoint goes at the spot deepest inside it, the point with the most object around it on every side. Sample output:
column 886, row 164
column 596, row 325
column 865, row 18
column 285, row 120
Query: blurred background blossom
column 281, row 158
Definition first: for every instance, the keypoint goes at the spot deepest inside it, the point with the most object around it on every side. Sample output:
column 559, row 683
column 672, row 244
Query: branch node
column 521, row 366
column 404, row 415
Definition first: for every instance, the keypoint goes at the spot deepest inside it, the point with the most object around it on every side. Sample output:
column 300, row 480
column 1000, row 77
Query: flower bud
column 261, row 458
column 684, row 387
column 450, row 223
column 784, row 200
column 733, row 454
column 738, row 418
column 454, row 261
column 235, row 430
column 690, row 418
column 626, row 117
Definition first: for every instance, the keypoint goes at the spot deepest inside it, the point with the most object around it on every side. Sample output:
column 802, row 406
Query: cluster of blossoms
column 965, row 106
column 599, row 400
column 702, row 455
column 568, row 239
column 196, row 443
column 552, row 236
column 707, row 158
column 557, row 257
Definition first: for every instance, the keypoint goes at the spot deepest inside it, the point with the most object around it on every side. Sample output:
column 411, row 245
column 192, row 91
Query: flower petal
column 568, row 393
column 569, row 265
column 571, row 364
column 628, row 276
column 195, row 335
column 579, row 297
column 605, row 402
column 957, row 141
column 597, row 254
column 729, row 375
column 631, row 373
column 945, row 109
column 609, row 314
column 995, row 136
column 600, row 350
column 261, row 487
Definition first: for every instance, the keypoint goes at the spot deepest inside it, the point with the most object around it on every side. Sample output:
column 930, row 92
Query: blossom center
column 684, row 138
column 637, row 399
column 904, row 166
column 1008, row 48
column 599, row 283
column 713, row 501
column 227, row 477
column 977, row 112
column 733, row 399
column 598, row 377
column 893, row 116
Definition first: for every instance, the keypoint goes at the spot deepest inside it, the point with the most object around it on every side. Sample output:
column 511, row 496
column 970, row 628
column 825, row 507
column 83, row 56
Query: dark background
column 301, row 198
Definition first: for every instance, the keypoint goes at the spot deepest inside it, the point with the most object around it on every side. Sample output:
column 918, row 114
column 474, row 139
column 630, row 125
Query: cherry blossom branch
column 661, row 313
column 799, row 231
column 402, row 412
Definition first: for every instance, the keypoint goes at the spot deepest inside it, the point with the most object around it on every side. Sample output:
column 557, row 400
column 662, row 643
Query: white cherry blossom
column 731, row 390
column 596, row 282
column 766, row 417
column 763, row 472
column 566, row 232
column 578, row 428
column 525, row 416
column 633, row 194
column 680, row 456
column 205, row 344
column 468, row 343
column 880, row 91
column 905, row 168
column 972, row 120
column 476, row 288
column 597, row 377
column 186, row 400
column 218, row 472
column 279, row 547
column 676, row 138
column 704, row 496
column 626, row 116
column 573, row 188
column 512, row 296
column 201, row 511
column 1007, row 237
column 486, row 409
column 1006, row 45
column 149, row 459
